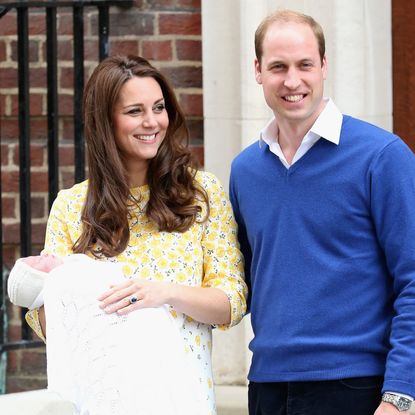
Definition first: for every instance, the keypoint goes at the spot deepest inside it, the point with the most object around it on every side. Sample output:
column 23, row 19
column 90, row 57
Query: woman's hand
column 135, row 294
column 206, row 305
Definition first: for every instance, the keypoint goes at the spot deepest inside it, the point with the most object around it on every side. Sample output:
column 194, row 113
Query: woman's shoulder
column 77, row 190
column 208, row 181
column 72, row 197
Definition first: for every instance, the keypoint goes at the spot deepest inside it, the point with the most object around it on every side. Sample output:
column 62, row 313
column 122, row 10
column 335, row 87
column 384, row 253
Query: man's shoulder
column 358, row 128
column 366, row 138
column 248, row 155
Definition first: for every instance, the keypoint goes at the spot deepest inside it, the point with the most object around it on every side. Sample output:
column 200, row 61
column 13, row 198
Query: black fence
column 51, row 7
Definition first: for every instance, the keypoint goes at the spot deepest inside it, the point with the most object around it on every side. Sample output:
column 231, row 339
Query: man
column 326, row 211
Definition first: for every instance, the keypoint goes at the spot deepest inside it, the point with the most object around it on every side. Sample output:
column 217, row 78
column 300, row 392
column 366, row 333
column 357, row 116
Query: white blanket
column 110, row 364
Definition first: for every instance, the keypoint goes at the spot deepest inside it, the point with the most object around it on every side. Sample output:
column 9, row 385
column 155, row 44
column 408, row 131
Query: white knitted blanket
column 110, row 364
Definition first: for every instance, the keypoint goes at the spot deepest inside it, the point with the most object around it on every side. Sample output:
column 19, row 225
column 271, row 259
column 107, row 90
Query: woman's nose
column 149, row 120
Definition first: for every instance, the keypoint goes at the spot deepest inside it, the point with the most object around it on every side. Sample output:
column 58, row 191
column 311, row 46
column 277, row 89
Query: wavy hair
column 176, row 199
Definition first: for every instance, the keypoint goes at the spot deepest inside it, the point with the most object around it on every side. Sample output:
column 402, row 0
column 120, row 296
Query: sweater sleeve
column 222, row 259
column 392, row 206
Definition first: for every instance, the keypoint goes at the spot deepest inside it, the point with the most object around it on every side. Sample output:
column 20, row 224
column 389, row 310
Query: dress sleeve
column 32, row 319
column 58, row 240
column 242, row 236
column 222, row 260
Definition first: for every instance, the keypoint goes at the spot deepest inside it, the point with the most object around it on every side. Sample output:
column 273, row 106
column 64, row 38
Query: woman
column 147, row 207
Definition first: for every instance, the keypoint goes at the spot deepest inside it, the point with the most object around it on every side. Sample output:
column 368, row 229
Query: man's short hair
column 288, row 16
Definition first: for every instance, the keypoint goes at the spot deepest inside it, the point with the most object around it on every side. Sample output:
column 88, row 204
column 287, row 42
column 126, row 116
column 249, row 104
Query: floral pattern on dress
column 206, row 255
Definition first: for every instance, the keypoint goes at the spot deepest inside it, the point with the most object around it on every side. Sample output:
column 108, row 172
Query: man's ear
column 258, row 76
column 324, row 67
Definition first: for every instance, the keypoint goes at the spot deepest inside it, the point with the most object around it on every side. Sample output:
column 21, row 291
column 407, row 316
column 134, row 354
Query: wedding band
column 133, row 299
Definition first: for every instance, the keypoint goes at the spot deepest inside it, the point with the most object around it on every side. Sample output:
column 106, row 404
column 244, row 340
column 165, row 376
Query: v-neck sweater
column 329, row 246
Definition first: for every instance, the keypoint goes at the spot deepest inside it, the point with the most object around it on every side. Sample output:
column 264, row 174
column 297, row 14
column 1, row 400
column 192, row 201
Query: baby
column 27, row 279
column 105, row 364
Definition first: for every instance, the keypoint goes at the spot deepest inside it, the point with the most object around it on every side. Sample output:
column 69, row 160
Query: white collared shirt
column 327, row 126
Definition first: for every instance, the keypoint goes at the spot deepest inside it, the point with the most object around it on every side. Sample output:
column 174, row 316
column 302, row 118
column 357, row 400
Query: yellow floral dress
column 206, row 255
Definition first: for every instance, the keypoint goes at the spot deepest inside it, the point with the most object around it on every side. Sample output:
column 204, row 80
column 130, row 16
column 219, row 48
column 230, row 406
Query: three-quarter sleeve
column 58, row 239
column 223, row 263
column 32, row 319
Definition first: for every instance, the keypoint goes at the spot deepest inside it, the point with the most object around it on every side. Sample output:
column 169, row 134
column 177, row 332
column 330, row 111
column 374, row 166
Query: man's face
column 291, row 73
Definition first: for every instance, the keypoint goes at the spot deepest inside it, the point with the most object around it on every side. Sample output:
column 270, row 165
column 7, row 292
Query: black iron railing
column 51, row 7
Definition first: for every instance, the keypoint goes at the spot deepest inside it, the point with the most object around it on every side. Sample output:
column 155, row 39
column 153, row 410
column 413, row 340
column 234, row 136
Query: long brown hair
column 175, row 198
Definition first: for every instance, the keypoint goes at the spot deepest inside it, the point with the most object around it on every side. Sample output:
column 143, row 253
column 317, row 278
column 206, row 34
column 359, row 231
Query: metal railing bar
column 22, row 8
column 3, row 309
column 3, row 10
column 78, row 31
column 24, row 141
column 103, row 25
column 23, row 344
column 24, row 131
column 64, row 3
column 52, row 107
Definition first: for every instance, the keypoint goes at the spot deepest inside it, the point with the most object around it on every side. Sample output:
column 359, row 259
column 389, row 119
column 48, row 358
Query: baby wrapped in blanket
column 106, row 364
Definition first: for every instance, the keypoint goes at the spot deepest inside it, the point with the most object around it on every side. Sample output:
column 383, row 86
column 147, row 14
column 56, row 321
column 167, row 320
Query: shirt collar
column 328, row 125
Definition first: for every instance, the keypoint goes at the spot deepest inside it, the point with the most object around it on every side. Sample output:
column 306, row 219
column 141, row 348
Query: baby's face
column 43, row 263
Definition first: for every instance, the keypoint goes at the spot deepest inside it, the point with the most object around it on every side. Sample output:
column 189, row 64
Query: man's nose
column 292, row 80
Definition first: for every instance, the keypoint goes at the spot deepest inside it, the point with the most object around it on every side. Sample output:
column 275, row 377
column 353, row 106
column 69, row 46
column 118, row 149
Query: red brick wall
column 403, row 45
column 167, row 32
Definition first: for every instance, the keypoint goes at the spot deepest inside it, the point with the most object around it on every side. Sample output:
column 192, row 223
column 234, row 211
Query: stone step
column 231, row 400
column 39, row 402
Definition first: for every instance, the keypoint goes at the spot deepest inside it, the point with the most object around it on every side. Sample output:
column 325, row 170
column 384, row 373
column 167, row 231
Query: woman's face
column 140, row 122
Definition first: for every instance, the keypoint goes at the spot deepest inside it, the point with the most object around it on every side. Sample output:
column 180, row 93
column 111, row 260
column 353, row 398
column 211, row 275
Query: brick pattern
column 167, row 32
column 403, row 43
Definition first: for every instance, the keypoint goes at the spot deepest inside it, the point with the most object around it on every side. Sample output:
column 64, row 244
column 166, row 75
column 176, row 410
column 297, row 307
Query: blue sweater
column 329, row 246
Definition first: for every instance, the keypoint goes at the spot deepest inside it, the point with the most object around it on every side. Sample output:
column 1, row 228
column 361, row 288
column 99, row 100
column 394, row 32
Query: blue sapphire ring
column 133, row 299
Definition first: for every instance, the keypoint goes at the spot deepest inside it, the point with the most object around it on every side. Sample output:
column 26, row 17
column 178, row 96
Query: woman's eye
column 134, row 111
column 159, row 107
